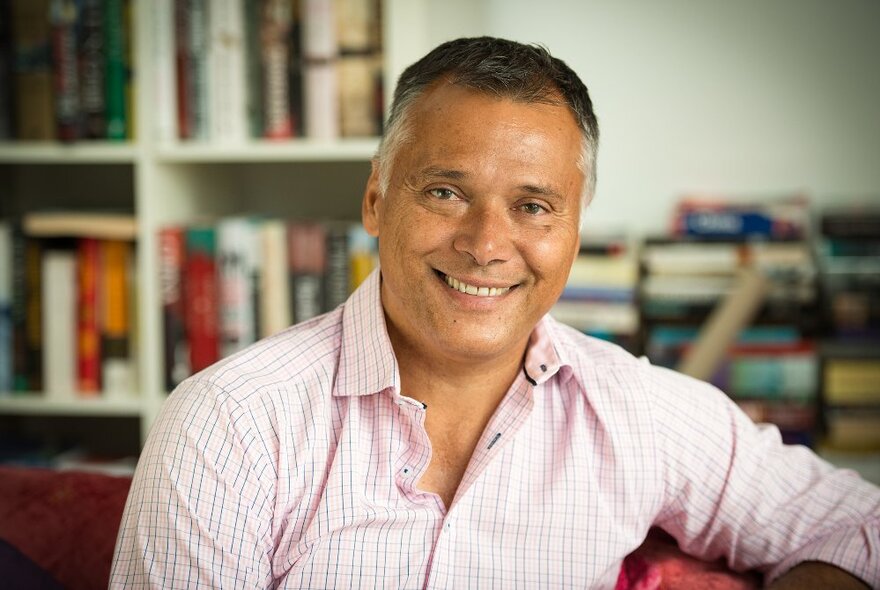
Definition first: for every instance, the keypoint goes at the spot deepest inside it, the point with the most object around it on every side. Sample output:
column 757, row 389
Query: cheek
column 551, row 257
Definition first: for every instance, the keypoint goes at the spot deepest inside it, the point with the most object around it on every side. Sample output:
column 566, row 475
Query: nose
column 485, row 234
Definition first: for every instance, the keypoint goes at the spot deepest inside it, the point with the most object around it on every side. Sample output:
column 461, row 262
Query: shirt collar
column 367, row 363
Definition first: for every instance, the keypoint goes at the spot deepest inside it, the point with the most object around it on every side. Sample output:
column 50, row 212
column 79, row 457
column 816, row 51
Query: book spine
column 337, row 272
column 295, row 71
column 361, row 255
column 163, row 54
column 116, row 372
column 201, row 297
column 253, row 10
column 274, row 287
column 306, row 257
column 34, row 313
column 191, row 51
column 236, row 255
column 320, row 74
column 7, row 102
column 88, row 332
column 91, row 69
column 275, row 54
column 129, row 71
column 227, row 83
column 64, row 20
column 5, row 308
column 59, row 319
column 172, row 248
column 19, row 313
column 115, row 69
column 33, row 70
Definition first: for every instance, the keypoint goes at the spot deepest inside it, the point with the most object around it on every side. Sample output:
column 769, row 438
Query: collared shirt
column 295, row 464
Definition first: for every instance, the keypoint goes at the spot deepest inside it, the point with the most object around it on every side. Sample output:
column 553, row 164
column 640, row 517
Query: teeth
column 472, row 290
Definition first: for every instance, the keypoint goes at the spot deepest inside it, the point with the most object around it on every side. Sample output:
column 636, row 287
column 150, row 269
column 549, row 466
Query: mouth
column 475, row 290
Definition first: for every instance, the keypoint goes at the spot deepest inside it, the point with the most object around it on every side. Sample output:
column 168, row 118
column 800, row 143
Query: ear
column 371, row 208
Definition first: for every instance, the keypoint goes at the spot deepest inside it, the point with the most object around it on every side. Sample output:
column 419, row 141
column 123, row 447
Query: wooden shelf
column 298, row 150
column 84, row 152
column 36, row 404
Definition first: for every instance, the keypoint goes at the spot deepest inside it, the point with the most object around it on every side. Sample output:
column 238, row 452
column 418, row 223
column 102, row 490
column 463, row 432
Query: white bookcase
column 164, row 182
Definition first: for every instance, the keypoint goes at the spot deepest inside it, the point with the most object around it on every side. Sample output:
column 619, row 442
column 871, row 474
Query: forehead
column 458, row 128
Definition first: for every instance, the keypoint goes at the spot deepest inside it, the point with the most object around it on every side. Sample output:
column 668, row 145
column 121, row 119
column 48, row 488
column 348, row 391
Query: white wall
column 747, row 98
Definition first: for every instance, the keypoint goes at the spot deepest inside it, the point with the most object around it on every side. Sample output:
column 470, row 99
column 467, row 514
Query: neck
column 448, row 383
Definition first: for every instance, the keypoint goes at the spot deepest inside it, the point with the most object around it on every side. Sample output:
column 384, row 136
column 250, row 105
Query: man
column 439, row 430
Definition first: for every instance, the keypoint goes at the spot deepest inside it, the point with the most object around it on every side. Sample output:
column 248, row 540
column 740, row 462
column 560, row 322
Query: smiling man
column 439, row 430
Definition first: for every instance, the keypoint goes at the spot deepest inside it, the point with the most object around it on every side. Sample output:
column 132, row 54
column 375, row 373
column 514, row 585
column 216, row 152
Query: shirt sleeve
column 199, row 511
column 733, row 489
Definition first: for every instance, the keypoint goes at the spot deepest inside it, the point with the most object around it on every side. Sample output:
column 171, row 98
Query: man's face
column 484, row 198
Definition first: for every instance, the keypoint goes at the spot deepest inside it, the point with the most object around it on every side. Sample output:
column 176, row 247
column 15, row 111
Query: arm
column 198, row 514
column 733, row 489
column 815, row 574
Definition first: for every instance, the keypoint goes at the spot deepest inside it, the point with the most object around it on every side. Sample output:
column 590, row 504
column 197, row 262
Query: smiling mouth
column 463, row 287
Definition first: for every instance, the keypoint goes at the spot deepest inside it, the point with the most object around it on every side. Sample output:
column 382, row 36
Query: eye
column 444, row 194
column 532, row 208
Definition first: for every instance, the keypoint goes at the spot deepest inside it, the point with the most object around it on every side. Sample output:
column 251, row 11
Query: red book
column 201, row 304
column 88, row 340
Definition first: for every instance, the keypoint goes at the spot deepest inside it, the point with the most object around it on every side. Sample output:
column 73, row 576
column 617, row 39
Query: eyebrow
column 452, row 174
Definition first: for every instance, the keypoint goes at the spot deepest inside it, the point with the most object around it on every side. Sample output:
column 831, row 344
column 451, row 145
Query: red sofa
column 58, row 530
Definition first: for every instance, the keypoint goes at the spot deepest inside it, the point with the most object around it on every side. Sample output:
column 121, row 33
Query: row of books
column 67, row 314
column 274, row 69
column 66, row 71
column 228, row 283
column 599, row 298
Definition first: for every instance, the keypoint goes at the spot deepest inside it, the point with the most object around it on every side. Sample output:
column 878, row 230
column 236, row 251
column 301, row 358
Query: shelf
column 84, row 152
column 32, row 404
column 299, row 150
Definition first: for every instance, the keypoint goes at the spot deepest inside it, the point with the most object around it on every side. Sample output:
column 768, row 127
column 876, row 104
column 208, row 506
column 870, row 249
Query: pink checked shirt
column 295, row 463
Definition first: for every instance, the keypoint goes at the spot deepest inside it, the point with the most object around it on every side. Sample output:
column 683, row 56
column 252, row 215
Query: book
column 851, row 381
column 191, row 41
column 320, row 74
column 360, row 91
column 110, row 226
column 90, row 49
column 172, row 251
column 5, row 307
column 226, row 79
column 362, row 255
column 201, row 297
column 117, row 376
column 720, row 218
column 852, row 429
column 295, row 70
column 274, row 291
column 60, row 322
column 164, row 75
column 35, row 113
column 64, row 17
column 237, row 261
column 275, row 20
column 336, row 275
column 88, row 331
column 306, row 242
column 115, row 70
column 7, row 67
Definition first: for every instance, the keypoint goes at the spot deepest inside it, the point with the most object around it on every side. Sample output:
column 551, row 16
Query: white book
column 237, row 254
column 5, row 307
column 319, row 40
column 227, row 79
column 321, row 85
column 59, row 324
column 164, row 72
column 274, row 279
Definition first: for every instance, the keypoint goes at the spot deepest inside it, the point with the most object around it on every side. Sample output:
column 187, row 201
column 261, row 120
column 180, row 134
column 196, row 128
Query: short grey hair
column 507, row 69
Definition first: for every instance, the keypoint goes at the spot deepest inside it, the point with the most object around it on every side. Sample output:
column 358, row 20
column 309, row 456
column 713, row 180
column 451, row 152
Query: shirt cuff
column 856, row 551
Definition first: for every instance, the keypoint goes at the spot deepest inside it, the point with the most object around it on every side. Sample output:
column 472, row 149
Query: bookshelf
column 163, row 182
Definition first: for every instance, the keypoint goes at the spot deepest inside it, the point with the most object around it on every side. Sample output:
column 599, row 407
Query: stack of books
column 66, row 70
column 225, row 284
column 67, row 320
column 600, row 296
column 849, row 257
column 770, row 369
